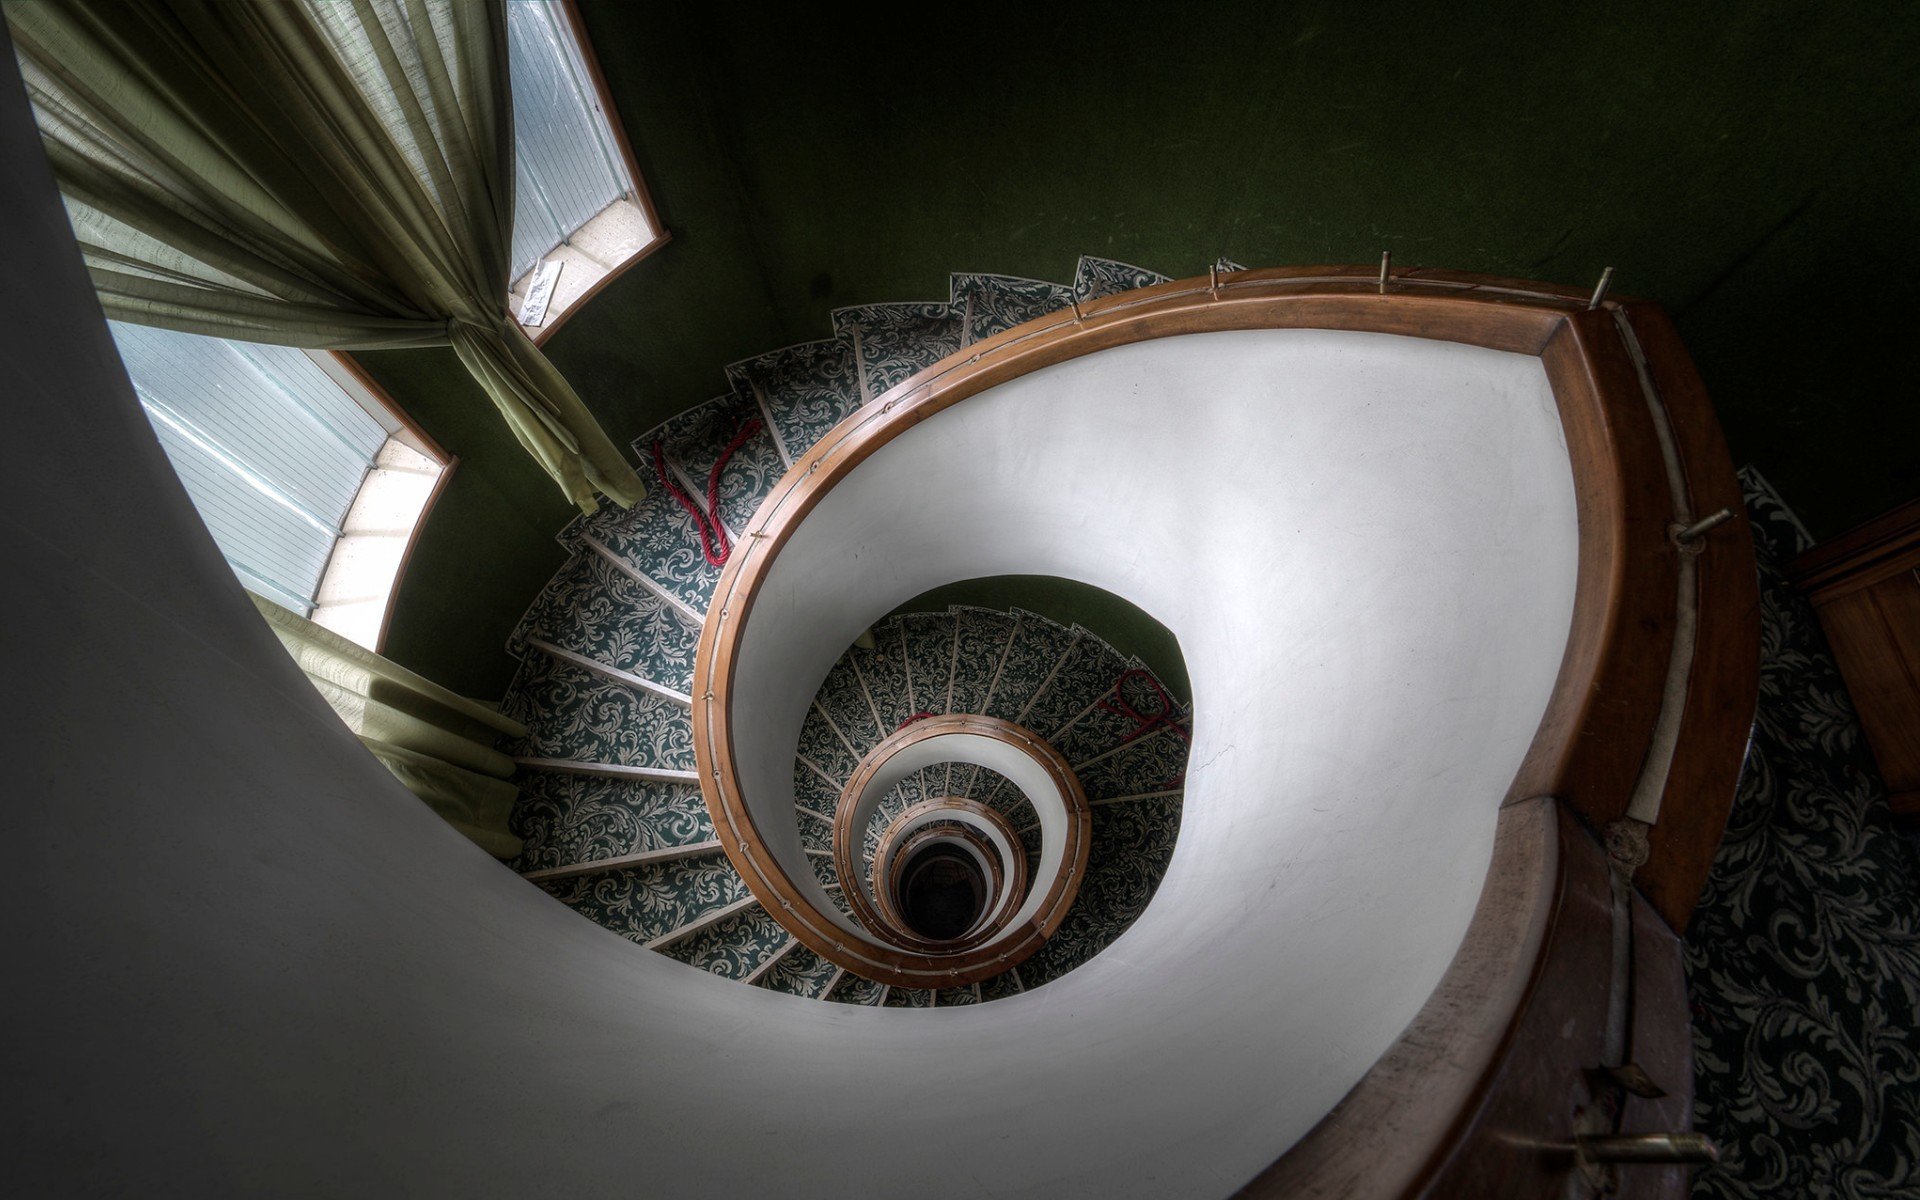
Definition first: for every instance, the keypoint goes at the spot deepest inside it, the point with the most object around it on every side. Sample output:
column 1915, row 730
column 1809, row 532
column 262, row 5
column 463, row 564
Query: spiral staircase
column 611, row 813
column 1471, row 667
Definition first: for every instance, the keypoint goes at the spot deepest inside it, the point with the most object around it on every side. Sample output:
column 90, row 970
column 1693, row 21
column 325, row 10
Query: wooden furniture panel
column 1865, row 586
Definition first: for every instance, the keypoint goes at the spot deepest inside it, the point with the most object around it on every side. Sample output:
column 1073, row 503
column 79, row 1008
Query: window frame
column 421, row 441
column 569, row 12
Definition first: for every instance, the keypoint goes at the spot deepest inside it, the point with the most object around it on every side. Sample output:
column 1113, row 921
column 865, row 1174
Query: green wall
column 1752, row 167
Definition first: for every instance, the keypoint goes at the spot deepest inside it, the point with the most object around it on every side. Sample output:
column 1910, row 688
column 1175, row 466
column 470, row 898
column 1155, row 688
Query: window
column 579, row 209
column 310, row 486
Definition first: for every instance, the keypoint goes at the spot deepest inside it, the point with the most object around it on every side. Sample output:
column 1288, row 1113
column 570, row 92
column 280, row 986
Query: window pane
column 569, row 168
column 270, row 449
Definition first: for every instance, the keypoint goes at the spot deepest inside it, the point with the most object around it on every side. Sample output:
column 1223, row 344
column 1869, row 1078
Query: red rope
column 919, row 716
column 1144, row 723
column 713, row 535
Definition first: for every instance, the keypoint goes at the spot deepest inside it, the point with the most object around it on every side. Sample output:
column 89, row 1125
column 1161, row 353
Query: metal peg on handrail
column 1213, row 280
column 1647, row 1148
column 1600, row 289
column 1386, row 269
column 1693, row 533
column 1078, row 316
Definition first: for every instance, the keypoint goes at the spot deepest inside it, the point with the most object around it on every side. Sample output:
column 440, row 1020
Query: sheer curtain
column 438, row 743
column 320, row 173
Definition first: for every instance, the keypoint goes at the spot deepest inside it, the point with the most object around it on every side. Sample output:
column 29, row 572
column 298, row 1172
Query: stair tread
column 852, row 989
column 995, row 303
column 1085, row 674
column 734, row 947
column 895, row 341
column 575, row 714
column 658, row 540
column 593, row 609
column 694, row 441
column 800, row 972
column 807, row 389
column 648, row 902
column 1131, row 846
column 565, row 818
column 1097, row 277
column 1038, row 645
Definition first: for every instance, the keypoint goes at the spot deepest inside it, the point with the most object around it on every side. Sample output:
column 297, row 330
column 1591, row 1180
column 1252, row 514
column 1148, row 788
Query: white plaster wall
column 243, row 961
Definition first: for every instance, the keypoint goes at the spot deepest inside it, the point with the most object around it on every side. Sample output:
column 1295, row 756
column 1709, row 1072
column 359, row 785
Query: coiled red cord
column 714, row 543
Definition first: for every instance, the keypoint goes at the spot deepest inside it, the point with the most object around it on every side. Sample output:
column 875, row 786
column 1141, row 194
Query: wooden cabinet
column 1865, row 585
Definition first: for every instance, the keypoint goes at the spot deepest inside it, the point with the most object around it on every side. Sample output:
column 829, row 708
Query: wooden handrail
column 892, row 953
column 1616, row 374
column 1006, row 885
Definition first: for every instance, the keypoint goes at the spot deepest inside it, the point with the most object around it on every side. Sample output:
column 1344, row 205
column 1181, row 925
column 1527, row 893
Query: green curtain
column 321, row 173
column 438, row 743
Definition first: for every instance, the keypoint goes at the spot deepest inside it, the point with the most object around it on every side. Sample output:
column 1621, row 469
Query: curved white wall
column 246, row 962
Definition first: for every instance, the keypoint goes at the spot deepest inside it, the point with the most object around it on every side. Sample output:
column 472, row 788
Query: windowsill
column 592, row 258
column 356, row 592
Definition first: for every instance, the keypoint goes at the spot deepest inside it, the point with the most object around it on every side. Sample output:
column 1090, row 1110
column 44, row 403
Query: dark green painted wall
column 1752, row 167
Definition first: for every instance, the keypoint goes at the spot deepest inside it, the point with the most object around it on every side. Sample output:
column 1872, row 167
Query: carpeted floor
column 1803, row 959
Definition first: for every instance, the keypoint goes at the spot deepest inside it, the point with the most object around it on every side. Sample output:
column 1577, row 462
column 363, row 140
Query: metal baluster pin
column 1647, row 1148
column 1600, row 289
column 1695, row 531
column 1386, row 269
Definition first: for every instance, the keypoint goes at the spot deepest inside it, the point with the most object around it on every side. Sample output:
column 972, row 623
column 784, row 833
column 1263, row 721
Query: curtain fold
column 331, row 174
column 436, row 742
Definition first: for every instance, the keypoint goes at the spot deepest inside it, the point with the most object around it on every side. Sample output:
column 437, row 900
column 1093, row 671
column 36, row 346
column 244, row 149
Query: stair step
column 659, row 541
column 1027, row 666
column 800, row 972
column 814, row 791
column 573, row 714
column 1155, row 762
column 928, row 643
column 826, row 747
column 995, row 303
column 895, row 341
column 843, row 699
column 571, row 818
column 1128, row 855
column 983, row 637
column 884, row 669
column 647, row 903
column 908, row 998
column 957, row 996
column 735, row 946
column 1106, row 726
column 1086, row 673
column 593, row 608
column 695, row 440
column 608, row 671
column 1001, row 986
column 1097, row 277
column 823, row 870
column 805, row 389
column 641, row 858
column 852, row 989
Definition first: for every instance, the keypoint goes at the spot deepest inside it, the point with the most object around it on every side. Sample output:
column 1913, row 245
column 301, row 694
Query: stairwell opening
column 943, row 892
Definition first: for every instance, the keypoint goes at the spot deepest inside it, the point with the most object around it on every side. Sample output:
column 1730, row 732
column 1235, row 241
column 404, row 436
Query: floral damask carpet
column 1803, row 959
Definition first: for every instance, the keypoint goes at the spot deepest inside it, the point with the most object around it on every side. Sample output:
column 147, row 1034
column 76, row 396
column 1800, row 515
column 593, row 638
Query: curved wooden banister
column 1007, row 881
column 1600, row 724
column 1643, row 736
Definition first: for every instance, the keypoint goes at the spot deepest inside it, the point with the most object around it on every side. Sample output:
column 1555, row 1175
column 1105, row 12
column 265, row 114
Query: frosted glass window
column 271, row 448
column 567, row 168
